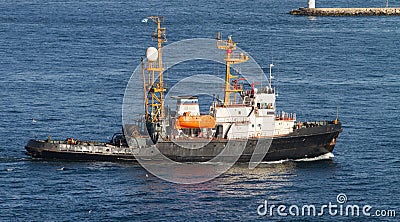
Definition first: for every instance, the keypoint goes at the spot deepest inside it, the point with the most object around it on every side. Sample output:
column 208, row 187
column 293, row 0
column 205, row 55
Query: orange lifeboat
column 187, row 121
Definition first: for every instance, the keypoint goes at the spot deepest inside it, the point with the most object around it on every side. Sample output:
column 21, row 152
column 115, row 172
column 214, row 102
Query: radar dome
column 152, row 54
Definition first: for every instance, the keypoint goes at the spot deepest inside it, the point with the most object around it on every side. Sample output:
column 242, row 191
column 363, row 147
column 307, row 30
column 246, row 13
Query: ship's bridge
column 264, row 100
column 261, row 99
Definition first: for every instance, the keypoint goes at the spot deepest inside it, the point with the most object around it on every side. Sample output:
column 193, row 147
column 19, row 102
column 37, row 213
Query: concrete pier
column 346, row 11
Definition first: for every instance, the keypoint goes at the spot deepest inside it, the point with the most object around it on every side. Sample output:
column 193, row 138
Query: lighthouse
column 311, row 3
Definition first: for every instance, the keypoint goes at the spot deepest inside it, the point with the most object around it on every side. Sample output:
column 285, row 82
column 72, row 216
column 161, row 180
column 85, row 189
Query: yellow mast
column 229, row 46
column 155, row 85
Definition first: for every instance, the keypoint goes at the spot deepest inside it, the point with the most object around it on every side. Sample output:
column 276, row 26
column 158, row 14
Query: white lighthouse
column 311, row 3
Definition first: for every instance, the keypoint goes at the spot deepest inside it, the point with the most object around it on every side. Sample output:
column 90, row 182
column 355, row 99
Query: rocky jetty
column 346, row 11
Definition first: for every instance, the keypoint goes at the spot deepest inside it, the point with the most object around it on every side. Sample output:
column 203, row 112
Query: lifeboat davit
column 187, row 121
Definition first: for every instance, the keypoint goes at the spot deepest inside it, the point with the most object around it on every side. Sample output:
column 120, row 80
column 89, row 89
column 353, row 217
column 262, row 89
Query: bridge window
column 264, row 105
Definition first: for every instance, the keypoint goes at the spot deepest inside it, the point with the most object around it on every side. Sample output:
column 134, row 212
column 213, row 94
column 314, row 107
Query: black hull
column 306, row 144
column 303, row 143
column 45, row 150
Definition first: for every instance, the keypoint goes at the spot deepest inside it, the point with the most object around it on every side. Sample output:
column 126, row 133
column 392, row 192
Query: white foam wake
column 275, row 162
column 326, row 156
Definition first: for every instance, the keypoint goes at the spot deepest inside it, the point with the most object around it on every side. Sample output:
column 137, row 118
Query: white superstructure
column 254, row 117
column 187, row 104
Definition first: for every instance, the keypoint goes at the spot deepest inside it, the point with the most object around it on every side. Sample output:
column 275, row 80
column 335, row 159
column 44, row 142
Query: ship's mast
column 154, row 85
column 229, row 46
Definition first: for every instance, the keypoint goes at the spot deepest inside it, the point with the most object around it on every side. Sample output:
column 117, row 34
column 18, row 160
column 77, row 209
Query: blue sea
column 64, row 66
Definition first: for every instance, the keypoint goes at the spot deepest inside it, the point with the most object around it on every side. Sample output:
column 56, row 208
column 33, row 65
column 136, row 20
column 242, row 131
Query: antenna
column 337, row 115
column 270, row 74
column 219, row 36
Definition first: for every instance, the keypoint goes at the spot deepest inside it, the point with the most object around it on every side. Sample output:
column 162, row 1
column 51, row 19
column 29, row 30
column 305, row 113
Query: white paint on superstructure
column 189, row 104
column 255, row 117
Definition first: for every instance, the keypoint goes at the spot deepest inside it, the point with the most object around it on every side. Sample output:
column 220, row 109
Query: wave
column 326, row 156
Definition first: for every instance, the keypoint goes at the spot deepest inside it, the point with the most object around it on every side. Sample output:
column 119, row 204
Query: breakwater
column 346, row 11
